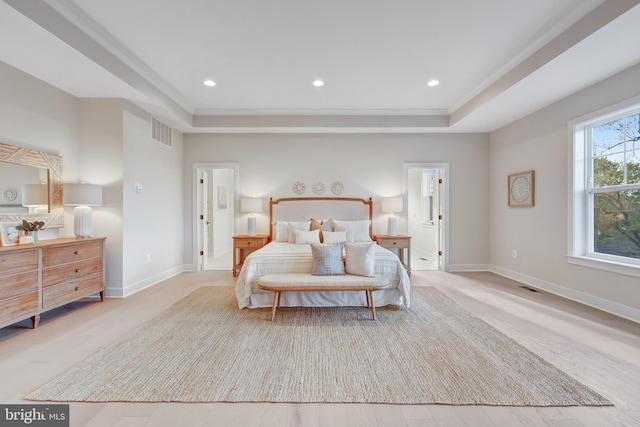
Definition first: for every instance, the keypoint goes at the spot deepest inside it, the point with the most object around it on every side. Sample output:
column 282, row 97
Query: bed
column 283, row 254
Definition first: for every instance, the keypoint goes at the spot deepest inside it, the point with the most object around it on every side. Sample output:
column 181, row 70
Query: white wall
column 38, row 116
column 153, row 225
column 367, row 165
column 539, row 234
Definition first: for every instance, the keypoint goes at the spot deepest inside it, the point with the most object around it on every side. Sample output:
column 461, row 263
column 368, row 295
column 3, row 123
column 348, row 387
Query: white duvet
column 281, row 257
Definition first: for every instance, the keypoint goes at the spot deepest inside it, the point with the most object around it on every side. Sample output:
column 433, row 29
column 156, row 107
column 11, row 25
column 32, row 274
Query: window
column 606, row 185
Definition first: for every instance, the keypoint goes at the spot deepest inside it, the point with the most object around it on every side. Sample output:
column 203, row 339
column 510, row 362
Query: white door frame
column 444, row 204
column 197, row 228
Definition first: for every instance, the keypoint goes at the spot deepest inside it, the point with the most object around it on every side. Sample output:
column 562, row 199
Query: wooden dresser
column 37, row 278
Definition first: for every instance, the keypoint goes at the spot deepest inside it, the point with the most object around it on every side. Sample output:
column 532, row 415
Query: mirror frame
column 39, row 159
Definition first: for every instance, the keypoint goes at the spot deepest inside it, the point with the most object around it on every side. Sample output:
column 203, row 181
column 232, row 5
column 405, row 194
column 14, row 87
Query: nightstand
column 401, row 243
column 243, row 245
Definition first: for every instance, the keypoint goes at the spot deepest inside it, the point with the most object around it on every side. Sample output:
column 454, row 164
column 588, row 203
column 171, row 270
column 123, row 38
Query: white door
column 425, row 190
column 215, row 198
column 203, row 217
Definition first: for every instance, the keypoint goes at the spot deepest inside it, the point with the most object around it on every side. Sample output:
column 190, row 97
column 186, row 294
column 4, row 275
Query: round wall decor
column 10, row 194
column 299, row 187
column 337, row 187
column 318, row 188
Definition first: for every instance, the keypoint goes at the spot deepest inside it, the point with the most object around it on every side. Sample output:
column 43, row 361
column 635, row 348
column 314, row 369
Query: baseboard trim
column 611, row 307
column 457, row 268
column 143, row 284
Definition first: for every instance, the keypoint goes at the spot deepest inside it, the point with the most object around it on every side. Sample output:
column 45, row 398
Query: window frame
column 581, row 191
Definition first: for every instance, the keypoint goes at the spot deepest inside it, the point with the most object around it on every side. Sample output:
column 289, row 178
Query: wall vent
column 161, row 132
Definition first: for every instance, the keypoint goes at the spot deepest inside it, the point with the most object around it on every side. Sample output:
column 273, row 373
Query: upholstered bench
column 302, row 282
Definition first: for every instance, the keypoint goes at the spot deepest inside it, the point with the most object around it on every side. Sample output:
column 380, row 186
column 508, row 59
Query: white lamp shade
column 34, row 195
column 251, row 205
column 82, row 195
column 392, row 204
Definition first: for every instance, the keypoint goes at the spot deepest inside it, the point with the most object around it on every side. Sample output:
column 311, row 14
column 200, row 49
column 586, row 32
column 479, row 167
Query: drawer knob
column 77, row 288
column 248, row 243
column 394, row 243
column 76, row 252
column 77, row 270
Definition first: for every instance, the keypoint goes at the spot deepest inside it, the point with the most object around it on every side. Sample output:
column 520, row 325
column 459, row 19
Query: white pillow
column 293, row 226
column 360, row 258
column 334, row 236
column 281, row 231
column 357, row 231
column 303, row 236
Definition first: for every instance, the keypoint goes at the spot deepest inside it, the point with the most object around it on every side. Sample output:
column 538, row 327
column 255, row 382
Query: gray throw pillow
column 327, row 259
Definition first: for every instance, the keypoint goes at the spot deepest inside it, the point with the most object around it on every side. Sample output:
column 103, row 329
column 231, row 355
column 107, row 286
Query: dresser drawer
column 18, row 262
column 71, row 271
column 22, row 283
column 54, row 296
column 17, row 308
column 69, row 253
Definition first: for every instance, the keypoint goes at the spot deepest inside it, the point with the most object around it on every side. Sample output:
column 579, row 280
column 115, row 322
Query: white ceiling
column 497, row 60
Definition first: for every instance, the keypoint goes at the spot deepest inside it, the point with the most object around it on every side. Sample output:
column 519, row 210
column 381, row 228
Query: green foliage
column 617, row 213
column 31, row 226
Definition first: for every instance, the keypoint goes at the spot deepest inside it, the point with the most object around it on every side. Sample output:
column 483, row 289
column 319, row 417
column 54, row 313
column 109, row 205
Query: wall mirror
column 22, row 166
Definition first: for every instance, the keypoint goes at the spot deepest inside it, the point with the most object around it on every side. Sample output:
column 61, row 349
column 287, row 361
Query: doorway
column 216, row 197
column 426, row 187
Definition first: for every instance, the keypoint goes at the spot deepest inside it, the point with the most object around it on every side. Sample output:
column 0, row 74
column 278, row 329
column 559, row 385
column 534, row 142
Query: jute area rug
column 204, row 349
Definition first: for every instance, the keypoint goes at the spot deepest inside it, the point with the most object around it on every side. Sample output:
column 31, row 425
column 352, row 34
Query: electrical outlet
column 148, row 257
column 514, row 253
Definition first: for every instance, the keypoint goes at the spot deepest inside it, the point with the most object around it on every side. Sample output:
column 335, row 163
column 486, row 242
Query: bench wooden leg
column 373, row 305
column 276, row 303
column 368, row 302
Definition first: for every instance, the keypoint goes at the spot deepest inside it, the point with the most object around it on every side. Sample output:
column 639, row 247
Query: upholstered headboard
column 305, row 208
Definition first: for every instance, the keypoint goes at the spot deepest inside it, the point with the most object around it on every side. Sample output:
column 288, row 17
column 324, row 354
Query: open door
column 203, row 217
column 426, row 194
column 215, row 197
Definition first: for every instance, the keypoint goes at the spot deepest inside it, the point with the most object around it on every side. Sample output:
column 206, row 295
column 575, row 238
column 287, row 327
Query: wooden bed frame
column 319, row 211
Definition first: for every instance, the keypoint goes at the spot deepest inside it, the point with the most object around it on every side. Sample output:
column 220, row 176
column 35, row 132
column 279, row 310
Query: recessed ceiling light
column 318, row 83
column 433, row 82
column 209, row 82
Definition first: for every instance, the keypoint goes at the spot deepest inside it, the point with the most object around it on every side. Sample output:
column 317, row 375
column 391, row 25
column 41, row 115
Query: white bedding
column 283, row 257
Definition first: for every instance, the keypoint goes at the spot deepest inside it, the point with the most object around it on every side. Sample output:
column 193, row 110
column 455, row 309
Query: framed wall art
column 222, row 197
column 521, row 190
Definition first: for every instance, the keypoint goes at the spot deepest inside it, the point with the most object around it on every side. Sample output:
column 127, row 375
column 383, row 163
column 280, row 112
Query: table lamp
column 391, row 205
column 252, row 206
column 82, row 196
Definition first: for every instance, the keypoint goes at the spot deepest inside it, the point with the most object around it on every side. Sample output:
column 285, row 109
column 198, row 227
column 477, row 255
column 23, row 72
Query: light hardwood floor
column 600, row 350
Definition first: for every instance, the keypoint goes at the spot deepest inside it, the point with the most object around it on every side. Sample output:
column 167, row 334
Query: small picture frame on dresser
column 9, row 233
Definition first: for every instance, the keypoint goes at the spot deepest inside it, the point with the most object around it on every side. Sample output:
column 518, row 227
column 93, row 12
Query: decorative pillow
column 334, row 236
column 293, row 226
column 360, row 258
column 327, row 259
column 322, row 225
column 357, row 231
column 303, row 236
column 282, row 231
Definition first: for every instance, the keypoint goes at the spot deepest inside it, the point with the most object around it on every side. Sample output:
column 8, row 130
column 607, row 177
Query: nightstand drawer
column 394, row 243
column 249, row 243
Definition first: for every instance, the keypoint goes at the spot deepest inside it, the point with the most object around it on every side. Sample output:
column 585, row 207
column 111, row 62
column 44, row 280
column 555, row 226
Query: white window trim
column 577, row 212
